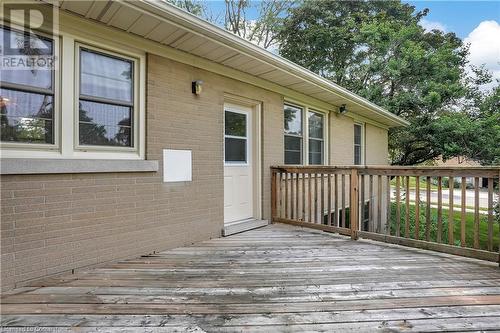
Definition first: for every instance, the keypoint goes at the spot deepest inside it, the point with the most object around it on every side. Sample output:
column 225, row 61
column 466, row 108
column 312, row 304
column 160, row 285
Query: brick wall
column 56, row 223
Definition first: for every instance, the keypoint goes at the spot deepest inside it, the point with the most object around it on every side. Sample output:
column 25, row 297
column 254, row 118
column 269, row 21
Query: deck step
column 243, row 225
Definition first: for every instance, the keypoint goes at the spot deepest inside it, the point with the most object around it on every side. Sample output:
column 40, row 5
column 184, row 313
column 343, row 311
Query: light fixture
column 343, row 109
column 196, row 87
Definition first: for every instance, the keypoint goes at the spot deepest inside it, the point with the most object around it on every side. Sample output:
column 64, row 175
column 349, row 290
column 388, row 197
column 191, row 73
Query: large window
column 316, row 137
column 106, row 100
column 358, row 144
column 293, row 134
column 27, row 94
column 304, row 135
column 89, row 104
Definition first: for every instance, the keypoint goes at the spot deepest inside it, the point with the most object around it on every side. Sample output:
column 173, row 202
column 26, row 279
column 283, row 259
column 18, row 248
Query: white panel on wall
column 177, row 165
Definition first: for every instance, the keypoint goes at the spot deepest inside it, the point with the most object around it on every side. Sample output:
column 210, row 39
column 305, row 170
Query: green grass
column 469, row 226
column 413, row 183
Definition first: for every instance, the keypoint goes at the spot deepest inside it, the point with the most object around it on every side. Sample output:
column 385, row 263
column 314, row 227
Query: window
column 235, row 137
column 27, row 95
column 316, row 138
column 293, row 135
column 106, row 100
column 90, row 104
column 358, row 144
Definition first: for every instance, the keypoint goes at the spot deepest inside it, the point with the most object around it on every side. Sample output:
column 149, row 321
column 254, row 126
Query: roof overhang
column 163, row 23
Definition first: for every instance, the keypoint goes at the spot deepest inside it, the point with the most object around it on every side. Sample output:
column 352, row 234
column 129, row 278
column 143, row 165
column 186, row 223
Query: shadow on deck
column 277, row 278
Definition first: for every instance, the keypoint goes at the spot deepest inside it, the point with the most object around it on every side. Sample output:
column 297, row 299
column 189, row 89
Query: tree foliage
column 378, row 50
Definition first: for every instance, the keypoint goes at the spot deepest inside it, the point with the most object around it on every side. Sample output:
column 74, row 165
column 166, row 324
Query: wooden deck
column 277, row 278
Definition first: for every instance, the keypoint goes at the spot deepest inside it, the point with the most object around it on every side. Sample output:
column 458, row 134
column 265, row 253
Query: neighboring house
column 118, row 153
column 462, row 162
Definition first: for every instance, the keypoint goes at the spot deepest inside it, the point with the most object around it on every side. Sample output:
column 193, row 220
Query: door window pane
column 105, row 124
column 235, row 124
column 26, row 117
column 105, row 76
column 315, row 152
column 293, row 150
column 315, row 125
column 235, row 150
column 293, row 120
column 36, row 48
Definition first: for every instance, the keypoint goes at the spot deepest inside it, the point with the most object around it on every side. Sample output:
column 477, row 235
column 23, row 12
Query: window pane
column 315, row 151
column 235, row 150
column 293, row 120
column 357, row 155
column 26, row 117
column 105, row 124
column 235, row 123
column 357, row 134
column 315, row 125
column 293, row 150
column 20, row 47
column 105, row 76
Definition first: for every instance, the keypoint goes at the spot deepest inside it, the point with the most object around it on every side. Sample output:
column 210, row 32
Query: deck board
column 277, row 278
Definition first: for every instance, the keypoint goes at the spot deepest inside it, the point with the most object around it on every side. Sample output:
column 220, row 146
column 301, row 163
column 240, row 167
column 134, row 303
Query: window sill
column 26, row 166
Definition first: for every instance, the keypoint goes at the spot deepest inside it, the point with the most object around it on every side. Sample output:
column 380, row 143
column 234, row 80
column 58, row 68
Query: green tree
column 378, row 50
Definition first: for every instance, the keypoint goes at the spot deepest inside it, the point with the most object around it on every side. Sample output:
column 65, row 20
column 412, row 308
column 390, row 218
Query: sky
column 474, row 21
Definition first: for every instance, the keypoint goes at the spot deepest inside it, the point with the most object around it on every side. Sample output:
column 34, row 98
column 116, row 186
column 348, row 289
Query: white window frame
column 248, row 156
column 135, row 112
column 302, row 124
column 31, row 148
column 66, row 96
column 362, row 145
column 305, row 131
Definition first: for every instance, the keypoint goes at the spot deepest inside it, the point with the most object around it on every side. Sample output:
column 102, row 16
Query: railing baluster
column 398, row 208
column 463, row 212
column 476, row 212
column 292, row 195
column 309, row 194
column 315, row 198
column 428, row 209
column 297, row 214
column 417, row 207
column 370, row 204
column 440, row 210
column 407, row 207
column 336, row 195
column 490, row 214
column 451, row 222
column 379, row 204
column 303, row 197
column 343, row 201
column 286, row 196
column 274, row 193
column 322, row 203
column 329, row 207
column 389, row 206
column 362, row 201
column 353, row 211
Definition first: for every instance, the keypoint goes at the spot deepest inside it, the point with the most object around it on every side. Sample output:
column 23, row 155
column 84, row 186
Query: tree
column 378, row 50
column 262, row 30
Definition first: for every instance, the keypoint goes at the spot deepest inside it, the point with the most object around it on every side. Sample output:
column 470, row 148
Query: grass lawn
column 413, row 183
column 469, row 226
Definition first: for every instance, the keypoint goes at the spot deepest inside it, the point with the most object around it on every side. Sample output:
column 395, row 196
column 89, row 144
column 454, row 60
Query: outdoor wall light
column 343, row 109
column 196, row 87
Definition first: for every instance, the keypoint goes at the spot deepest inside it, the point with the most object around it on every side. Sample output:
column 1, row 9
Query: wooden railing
column 452, row 210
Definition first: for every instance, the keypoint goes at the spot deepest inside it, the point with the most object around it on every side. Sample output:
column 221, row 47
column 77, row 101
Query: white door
column 238, row 163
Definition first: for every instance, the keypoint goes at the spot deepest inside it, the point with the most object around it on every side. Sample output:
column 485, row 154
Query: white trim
column 363, row 143
column 66, row 97
column 305, row 131
column 233, row 101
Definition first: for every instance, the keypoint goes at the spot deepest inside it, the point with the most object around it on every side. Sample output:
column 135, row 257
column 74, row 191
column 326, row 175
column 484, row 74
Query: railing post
column 354, row 213
column 273, row 195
